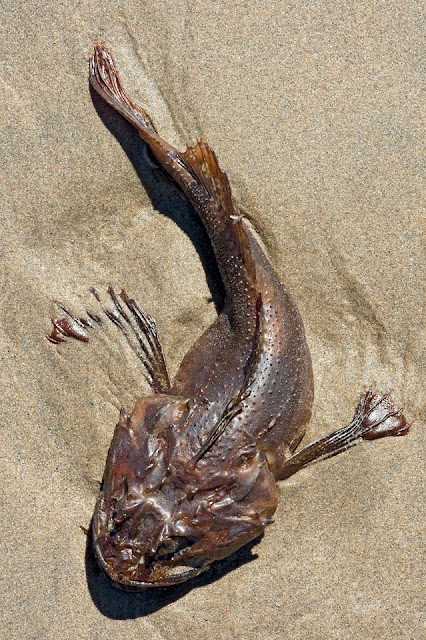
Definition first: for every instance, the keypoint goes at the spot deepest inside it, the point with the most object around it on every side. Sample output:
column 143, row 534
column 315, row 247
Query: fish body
column 191, row 473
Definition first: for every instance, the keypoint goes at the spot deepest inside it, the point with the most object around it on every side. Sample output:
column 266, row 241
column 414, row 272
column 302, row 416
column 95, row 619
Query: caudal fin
column 105, row 80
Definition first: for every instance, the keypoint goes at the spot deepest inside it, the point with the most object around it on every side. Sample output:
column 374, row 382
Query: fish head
column 162, row 516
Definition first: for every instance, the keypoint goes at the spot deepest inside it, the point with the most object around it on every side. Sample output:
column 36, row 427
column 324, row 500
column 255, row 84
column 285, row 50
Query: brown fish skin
column 239, row 404
column 191, row 473
column 258, row 309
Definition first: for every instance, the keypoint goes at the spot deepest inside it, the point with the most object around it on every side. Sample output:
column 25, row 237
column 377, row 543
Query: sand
column 315, row 113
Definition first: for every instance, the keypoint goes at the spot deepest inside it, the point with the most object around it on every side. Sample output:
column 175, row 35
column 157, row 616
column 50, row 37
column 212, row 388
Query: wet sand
column 314, row 111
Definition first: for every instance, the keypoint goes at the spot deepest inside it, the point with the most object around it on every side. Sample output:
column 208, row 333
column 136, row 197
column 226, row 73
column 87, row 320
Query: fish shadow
column 125, row 605
column 164, row 195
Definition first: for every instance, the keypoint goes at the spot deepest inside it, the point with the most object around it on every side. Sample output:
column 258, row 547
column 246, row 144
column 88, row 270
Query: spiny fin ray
column 135, row 324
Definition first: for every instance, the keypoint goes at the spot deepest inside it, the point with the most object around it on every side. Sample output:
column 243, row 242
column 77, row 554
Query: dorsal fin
column 205, row 168
column 202, row 163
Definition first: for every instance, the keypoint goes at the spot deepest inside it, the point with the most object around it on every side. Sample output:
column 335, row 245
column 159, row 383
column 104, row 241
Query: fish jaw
column 161, row 516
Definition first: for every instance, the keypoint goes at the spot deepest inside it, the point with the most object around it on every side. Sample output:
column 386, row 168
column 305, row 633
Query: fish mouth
column 166, row 567
column 137, row 564
column 127, row 584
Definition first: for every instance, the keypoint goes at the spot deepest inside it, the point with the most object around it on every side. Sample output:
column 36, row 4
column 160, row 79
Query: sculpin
column 191, row 474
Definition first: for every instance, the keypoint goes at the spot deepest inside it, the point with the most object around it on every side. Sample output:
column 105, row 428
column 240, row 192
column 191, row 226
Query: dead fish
column 191, row 474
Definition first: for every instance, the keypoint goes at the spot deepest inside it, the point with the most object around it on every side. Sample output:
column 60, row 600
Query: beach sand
column 314, row 111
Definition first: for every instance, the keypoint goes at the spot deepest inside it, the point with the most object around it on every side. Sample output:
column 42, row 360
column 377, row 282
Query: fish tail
column 104, row 79
column 197, row 173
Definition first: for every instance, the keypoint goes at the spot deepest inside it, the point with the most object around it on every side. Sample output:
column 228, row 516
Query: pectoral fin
column 376, row 417
column 138, row 328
